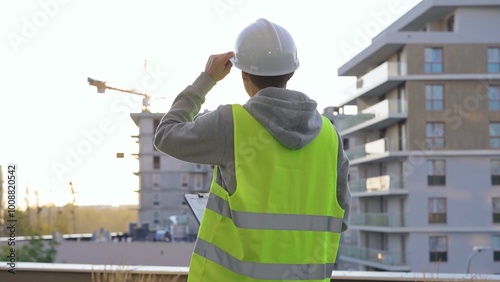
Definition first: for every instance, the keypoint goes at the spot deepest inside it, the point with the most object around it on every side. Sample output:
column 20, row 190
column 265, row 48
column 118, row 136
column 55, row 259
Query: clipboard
column 197, row 203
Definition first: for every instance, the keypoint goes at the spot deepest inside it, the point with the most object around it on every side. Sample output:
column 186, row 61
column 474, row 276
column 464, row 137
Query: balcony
column 380, row 115
column 379, row 150
column 376, row 186
column 379, row 219
column 377, row 81
column 382, row 259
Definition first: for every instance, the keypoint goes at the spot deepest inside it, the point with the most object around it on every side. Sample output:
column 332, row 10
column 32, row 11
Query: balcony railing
column 377, row 184
column 377, row 147
column 380, row 74
column 388, row 258
column 379, row 219
column 383, row 109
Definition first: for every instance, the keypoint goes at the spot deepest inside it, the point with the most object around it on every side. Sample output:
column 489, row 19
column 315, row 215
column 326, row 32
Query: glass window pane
column 432, row 205
column 437, row 90
column 495, row 129
column 439, row 129
column 494, row 67
column 429, row 128
column 493, row 55
column 438, row 105
column 439, row 143
column 439, row 167
column 495, row 142
column 437, row 205
column 437, row 243
column 428, row 54
column 494, row 92
column 436, row 54
column 433, row 242
column 430, row 167
column 427, row 68
column 495, row 242
column 495, row 167
column 428, row 106
column 494, row 105
column 437, row 68
column 496, row 204
column 441, row 205
column 428, row 92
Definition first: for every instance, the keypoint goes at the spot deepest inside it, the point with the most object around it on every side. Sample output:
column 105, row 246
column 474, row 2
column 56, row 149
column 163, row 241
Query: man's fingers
column 225, row 56
column 228, row 55
column 219, row 65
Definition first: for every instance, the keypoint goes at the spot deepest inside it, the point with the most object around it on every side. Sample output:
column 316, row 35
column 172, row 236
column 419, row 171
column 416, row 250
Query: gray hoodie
column 290, row 116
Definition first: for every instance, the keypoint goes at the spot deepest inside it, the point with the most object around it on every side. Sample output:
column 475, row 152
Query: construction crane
column 102, row 86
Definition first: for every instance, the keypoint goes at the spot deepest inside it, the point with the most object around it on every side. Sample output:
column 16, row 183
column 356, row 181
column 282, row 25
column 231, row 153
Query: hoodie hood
column 290, row 116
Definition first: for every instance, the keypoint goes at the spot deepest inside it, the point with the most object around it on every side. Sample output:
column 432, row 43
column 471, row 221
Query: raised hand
column 218, row 66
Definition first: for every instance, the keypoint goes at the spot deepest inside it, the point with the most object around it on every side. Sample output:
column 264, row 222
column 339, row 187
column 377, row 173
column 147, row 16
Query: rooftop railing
column 379, row 219
column 61, row 272
column 383, row 257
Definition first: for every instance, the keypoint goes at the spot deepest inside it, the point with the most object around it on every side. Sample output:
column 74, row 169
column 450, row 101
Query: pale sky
column 50, row 47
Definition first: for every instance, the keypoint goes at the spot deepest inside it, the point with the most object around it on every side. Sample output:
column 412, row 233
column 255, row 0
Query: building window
column 493, row 60
column 437, row 210
column 495, row 172
column 156, row 181
column 495, row 202
column 496, row 247
column 438, row 248
column 433, row 60
column 156, row 217
column 198, row 182
column 184, row 180
column 495, row 135
column 156, row 199
column 156, row 162
column 494, row 97
column 434, row 132
column 434, row 97
column 436, row 172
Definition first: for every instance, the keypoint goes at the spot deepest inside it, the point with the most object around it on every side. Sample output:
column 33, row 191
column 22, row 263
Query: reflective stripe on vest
column 275, row 221
column 265, row 271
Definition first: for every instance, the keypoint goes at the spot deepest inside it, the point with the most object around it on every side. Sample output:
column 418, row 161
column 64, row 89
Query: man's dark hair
column 270, row 81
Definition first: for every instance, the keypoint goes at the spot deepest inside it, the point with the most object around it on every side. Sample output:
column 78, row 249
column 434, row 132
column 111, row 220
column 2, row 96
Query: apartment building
column 163, row 181
column 425, row 144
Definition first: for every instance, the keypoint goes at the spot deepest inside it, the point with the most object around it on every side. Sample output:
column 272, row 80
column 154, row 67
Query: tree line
column 70, row 219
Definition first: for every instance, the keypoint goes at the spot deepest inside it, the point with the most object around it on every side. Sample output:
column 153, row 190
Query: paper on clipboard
column 197, row 203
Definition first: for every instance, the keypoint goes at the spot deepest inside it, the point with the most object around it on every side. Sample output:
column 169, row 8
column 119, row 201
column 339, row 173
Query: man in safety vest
column 279, row 198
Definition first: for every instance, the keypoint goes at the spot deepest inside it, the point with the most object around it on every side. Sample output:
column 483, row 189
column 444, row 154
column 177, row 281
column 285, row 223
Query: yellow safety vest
column 283, row 223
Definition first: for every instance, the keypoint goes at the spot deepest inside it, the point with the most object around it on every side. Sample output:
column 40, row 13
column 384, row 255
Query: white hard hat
column 265, row 49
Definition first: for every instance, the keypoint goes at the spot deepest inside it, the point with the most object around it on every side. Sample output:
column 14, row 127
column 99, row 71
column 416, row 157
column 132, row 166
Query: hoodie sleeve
column 343, row 191
column 186, row 137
